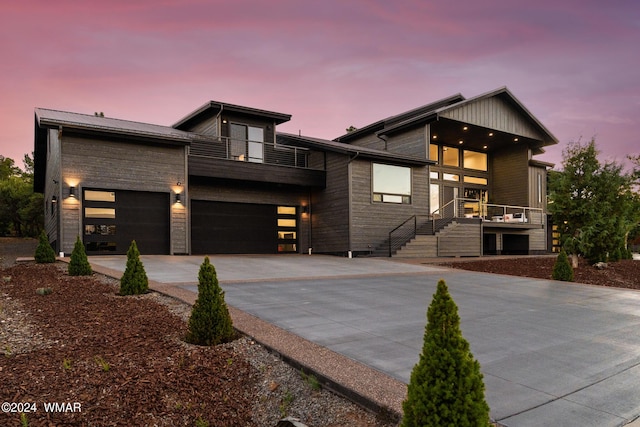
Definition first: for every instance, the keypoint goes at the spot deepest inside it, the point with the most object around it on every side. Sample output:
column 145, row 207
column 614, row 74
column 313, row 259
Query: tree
column 134, row 281
column 79, row 264
column 593, row 204
column 446, row 386
column 21, row 210
column 351, row 128
column 210, row 322
column 562, row 269
column 44, row 252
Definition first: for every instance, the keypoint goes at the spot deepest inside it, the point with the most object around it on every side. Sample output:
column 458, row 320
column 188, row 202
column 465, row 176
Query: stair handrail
column 393, row 247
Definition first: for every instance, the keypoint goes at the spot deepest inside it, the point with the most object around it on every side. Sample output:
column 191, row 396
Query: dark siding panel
column 330, row 208
column 510, row 177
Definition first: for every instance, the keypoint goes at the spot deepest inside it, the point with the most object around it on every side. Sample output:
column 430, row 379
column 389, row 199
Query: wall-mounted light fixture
column 305, row 209
column 72, row 191
column 178, row 197
column 54, row 200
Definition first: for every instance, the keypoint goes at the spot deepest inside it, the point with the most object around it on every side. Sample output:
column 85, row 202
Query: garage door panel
column 220, row 227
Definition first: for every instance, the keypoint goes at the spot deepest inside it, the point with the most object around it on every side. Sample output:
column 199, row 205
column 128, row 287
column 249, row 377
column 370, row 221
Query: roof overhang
column 351, row 150
column 216, row 107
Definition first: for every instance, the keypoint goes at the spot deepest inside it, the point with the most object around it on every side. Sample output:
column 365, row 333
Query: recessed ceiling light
column 515, row 139
column 490, row 133
column 485, row 146
column 465, row 128
column 434, row 137
column 461, row 142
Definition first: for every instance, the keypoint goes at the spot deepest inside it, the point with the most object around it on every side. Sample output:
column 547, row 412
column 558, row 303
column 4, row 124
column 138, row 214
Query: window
column 246, row 143
column 450, row 177
column 391, row 184
column 450, row 156
column 99, row 196
column 434, row 197
column 433, row 152
column 474, row 160
column 434, row 175
column 287, row 229
column 475, row 180
column 100, row 213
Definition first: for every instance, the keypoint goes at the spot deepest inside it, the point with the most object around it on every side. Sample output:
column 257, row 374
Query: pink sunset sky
column 575, row 64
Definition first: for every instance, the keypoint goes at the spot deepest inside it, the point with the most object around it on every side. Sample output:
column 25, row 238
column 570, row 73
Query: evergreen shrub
column 44, row 252
column 446, row 386
column 79, row 264
column 210, row 322
column 134, row 281
column 562, row 269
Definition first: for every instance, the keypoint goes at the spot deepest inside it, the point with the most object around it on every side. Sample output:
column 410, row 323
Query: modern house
column 455, row 177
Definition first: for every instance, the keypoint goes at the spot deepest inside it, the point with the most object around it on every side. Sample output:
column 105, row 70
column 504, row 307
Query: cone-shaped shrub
column 562, row 269
column 446, row 386
column 210, row 322
column 44, row 251
column 79, row 264
column 134, row 281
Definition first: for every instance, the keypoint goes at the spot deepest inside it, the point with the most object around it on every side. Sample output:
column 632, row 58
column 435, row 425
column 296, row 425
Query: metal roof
column 218, row 106
column 340, row 147
column 86, row 122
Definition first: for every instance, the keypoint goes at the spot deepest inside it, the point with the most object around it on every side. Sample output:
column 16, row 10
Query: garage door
column 112, row 219
column 234, row 228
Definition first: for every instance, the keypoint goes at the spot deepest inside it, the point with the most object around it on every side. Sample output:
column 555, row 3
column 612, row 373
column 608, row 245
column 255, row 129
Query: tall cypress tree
column 79, row 264
column 210, row 322
column 134, row 280
column 44, row 252
column 446, row 386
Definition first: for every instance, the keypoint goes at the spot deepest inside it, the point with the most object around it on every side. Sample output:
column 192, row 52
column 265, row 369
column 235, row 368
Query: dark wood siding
column 509, row 170
column 330, row 208
column 371, row 221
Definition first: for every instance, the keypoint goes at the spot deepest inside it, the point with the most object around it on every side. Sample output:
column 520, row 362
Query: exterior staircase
column 455, row 239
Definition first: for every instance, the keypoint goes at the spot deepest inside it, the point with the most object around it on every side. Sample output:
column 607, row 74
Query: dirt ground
column 622, row 274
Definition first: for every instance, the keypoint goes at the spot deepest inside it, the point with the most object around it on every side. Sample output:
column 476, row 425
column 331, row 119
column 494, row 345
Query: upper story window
column 246, row 143
column 391, row 184
column 450, row 156
column 474, row 160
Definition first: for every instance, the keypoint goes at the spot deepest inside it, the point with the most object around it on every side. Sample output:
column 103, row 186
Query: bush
column 134, row 281
column 44, row 252
column 562, row 269
column 210, row 322
column 79, row 264
column 446, row 386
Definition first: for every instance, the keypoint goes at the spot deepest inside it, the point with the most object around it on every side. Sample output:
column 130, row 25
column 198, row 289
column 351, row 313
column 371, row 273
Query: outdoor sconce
column 305, row 209
column 72, row 191
column 178, row 198
column 54, row 200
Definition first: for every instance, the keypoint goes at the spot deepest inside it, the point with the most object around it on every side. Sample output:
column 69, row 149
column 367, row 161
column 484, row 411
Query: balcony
column 491, row 215
column 253, row 161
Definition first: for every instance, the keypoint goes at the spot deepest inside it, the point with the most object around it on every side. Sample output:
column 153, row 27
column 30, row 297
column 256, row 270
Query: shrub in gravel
column 562, row 269
column 446, row 386
column 79, row 264
column 44, row 251
column 210, row 322
column 134, row 281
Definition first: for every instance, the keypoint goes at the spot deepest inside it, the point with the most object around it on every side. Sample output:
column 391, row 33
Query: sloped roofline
column 278, row 118
column 47, row 118
column 407, row 116
column 514, row 101
column 340, row 147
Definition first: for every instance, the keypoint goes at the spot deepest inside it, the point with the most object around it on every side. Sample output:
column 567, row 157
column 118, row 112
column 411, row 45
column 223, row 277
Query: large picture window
column 450, row 156
column 474, row 160
column 391, row 184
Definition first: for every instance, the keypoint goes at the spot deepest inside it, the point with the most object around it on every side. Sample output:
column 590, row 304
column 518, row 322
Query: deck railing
column 226, row 148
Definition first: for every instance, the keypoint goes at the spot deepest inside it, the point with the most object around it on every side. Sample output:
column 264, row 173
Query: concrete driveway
column 552, row 353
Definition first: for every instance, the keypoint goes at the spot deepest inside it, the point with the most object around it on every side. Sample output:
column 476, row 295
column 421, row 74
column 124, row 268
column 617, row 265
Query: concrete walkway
column 552, row 353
